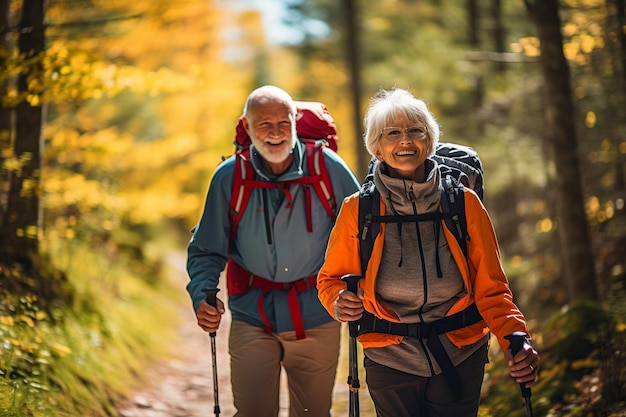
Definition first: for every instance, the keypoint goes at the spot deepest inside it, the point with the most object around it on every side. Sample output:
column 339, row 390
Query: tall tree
column 620, row 10
column 473, row 19
column 498, row 31
column 620, row 30
column 21, row 223
column 577, row 258
column 351, row 12
column 5, row 112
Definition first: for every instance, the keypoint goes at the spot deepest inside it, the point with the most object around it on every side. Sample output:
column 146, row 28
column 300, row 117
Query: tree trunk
column 498, row 32
column 473, row 22
column 6, row 129
column 620, row 6
column 473, row 18
column 22, row 221
column 352, row 49
column 577, row 256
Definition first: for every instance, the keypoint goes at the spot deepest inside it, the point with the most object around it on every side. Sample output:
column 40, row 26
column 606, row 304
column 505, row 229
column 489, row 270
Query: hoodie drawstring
column 420, row 245
column 268, row 229
column 437, row 232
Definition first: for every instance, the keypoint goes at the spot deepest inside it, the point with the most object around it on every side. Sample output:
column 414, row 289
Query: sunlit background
column 110, row 134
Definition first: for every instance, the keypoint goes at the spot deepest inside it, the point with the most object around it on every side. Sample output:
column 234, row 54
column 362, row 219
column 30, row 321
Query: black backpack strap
column 429, row 331
column 370, row 324
column 369, row 208
column 453, row 208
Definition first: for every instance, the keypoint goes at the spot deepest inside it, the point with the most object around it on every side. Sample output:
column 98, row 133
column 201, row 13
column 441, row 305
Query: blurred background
column 115, row 115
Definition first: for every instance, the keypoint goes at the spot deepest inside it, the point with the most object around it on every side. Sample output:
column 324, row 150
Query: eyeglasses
column 395, row 134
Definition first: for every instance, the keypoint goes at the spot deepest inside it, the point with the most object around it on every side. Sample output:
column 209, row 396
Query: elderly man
column 273, row 260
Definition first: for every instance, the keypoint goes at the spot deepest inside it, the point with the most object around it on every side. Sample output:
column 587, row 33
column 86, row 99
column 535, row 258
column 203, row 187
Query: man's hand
column 209, row 317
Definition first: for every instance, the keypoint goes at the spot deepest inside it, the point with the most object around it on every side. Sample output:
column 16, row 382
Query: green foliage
column 589, row 381
column 24, row 357
column 79, row 357
column 37, row 278
column 501, row 395
column 574, row 333
column 582, row 371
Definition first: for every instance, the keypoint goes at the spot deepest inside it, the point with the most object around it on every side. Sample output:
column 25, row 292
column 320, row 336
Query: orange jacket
column 482, row 273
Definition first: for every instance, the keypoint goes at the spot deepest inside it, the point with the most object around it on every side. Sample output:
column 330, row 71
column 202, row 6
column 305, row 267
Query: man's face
column 272, row 129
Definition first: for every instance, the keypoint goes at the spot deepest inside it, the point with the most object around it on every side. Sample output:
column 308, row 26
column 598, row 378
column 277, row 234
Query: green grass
column 82, row 355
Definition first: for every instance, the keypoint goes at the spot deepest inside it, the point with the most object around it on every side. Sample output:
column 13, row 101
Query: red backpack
column 316, row 128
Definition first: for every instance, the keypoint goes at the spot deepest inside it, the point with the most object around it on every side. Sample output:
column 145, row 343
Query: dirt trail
column 183, row 386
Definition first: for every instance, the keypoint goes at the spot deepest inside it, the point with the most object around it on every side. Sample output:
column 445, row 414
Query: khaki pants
column 310, row 365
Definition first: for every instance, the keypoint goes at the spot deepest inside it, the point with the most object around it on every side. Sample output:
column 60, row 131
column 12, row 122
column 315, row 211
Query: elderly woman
column 415, row 278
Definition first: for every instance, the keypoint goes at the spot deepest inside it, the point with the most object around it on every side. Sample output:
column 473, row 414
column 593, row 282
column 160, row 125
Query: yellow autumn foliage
column 144, row 111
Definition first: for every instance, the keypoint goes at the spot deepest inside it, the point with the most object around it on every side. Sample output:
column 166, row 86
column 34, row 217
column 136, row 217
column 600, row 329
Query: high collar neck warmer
column 407, row 197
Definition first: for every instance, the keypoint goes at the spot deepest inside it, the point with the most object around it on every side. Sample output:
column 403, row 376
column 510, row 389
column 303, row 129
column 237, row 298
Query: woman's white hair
column 387, row 106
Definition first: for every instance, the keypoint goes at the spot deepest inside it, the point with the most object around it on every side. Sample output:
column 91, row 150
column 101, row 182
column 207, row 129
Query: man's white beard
column 275, row 157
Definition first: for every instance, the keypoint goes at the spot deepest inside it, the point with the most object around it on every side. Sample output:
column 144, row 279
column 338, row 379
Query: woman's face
column 403, row 147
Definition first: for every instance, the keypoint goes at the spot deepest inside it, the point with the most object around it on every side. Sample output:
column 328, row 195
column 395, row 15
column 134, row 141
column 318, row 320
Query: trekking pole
column 211, row 299
column 517, row 341
column 352, row 281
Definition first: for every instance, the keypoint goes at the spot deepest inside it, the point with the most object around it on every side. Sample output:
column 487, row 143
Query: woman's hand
column 349, row 306
column 209, row 317
column 524, row 366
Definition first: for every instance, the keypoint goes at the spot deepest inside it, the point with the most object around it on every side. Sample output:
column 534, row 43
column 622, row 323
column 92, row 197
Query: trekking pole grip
column 517, row 340
column 211, row 299
column 352, row 283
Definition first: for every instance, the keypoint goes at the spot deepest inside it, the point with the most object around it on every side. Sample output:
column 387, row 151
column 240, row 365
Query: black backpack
column 460, row 167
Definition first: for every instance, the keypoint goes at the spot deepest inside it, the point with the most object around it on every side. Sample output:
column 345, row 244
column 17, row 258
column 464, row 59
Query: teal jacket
column 293, row 252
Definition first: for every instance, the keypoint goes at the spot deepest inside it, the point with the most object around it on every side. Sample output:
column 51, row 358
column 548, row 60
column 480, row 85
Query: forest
column 115, row 115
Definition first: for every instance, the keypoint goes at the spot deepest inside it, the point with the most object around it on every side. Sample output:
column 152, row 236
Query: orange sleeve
column 343, row 257
column 342, row 254
column 490, row 287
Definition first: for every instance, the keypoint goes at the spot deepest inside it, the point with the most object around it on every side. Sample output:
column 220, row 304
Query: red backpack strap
column 323, row 187
column 318, row 178
column 243, row 183
column 240, row 194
